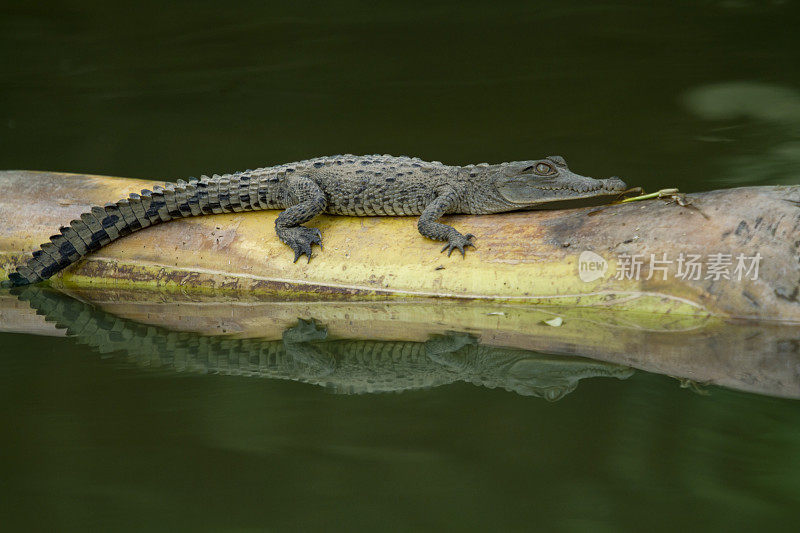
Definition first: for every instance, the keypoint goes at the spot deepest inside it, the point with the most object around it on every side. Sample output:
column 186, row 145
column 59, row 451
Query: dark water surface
column 695, row 95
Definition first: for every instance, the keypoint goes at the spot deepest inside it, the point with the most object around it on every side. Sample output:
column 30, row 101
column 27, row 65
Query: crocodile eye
column 544, row 169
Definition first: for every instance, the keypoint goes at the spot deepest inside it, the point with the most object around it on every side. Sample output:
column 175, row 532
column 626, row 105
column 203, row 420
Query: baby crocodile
column 377, row 185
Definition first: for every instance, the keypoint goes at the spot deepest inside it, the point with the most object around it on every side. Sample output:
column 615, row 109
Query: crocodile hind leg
column 437, row 231
column 307, row 201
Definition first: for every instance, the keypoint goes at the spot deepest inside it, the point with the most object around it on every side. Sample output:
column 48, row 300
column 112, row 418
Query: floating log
column 629, row 257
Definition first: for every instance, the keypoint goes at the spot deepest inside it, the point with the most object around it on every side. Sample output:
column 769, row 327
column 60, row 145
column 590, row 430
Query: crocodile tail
column 102, row 225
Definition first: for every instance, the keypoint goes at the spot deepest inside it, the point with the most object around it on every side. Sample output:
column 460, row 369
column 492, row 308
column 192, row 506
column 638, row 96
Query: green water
column 695, row 95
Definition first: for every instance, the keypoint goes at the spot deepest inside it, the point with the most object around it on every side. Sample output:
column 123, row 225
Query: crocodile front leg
column 428, row 226
column 307, row 201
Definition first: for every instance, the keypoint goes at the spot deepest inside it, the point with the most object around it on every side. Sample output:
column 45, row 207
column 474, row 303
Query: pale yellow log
column 526, row 257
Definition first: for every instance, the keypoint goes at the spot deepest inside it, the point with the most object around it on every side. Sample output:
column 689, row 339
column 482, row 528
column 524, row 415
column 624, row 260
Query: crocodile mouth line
column 600, row 188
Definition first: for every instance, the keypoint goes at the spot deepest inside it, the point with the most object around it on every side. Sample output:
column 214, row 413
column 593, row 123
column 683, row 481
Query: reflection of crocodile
column 305, row 354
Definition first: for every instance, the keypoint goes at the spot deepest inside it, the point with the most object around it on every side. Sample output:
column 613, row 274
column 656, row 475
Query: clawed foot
column 458, row 242
column 300, row 239
column 305, row 331
column 312, row 356
column 451, row 342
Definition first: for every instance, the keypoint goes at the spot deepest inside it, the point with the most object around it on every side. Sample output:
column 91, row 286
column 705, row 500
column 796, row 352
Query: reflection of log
column 17, row 317
column 304, row 352
column 760, row 358
column 526, row 256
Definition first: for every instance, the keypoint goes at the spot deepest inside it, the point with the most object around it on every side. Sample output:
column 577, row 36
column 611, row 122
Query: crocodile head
column 549, row 184
column 553, row 377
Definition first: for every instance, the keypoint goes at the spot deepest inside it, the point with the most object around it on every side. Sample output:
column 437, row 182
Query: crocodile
column 377, row 185
column 306, row 354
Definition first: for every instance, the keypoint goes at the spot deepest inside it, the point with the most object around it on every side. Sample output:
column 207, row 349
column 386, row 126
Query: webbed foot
column 300, row 239
column 458, row 242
